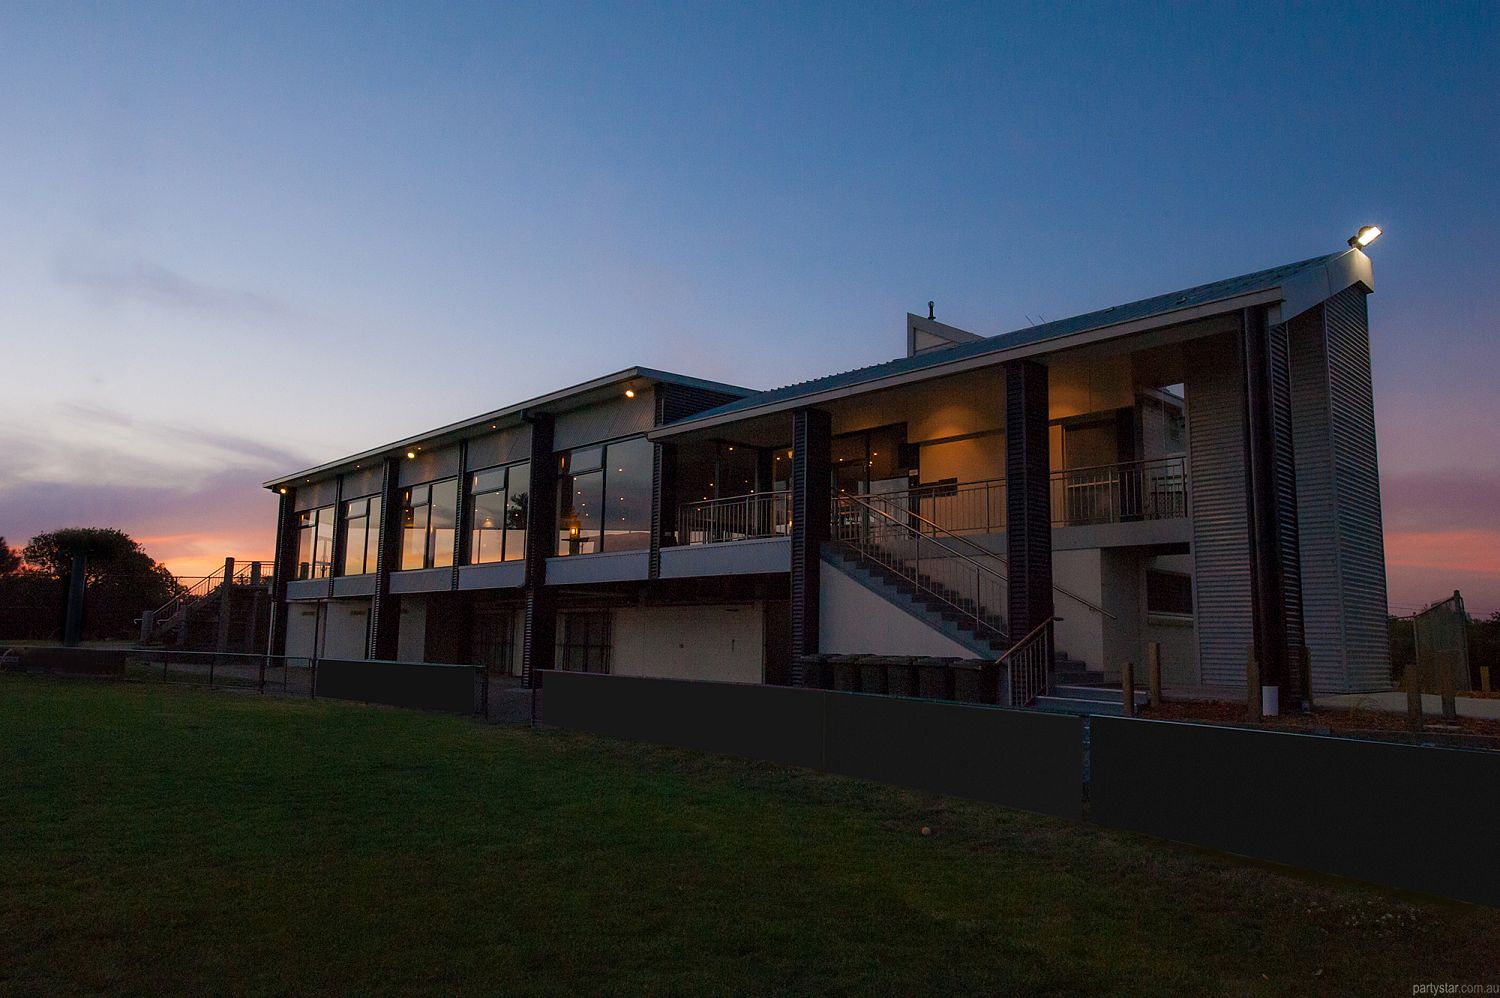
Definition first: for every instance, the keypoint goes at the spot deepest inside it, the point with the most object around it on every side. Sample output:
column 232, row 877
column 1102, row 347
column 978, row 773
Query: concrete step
column 1101, row 694
column 1070, row 705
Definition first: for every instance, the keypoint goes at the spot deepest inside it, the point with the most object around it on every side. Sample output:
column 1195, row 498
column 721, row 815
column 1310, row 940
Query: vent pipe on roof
column 930, row 314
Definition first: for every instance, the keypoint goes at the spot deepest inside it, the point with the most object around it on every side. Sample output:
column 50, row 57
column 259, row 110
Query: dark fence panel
column 774, row 723
column 448, row 688
column 1414, row 817
column 1016, row 758
column 1021, row 759
column 74, row 661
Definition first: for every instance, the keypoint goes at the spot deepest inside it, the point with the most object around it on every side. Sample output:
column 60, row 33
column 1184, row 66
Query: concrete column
column 1028, row 498
column 76, row 593
column 812, row 435
column 226, row 604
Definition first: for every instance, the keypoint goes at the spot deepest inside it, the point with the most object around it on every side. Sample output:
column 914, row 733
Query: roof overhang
column 563, row 400
column 962, row 364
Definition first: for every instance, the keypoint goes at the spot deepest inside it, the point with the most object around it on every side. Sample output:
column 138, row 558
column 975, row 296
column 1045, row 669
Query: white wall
column 725, row 643
column 301, row 629
column 852, row 620
column 411, row 636
column 346, row 626
column 1080, row 633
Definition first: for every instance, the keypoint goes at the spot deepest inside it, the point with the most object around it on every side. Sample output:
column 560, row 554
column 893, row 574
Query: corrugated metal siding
column 1357, row 483
column 1317, row 527
column 1278, row 353
column 1221, row 532
column 621, row 417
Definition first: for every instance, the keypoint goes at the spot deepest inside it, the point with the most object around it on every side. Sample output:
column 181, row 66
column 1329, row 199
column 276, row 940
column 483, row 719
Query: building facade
column 1195, row 470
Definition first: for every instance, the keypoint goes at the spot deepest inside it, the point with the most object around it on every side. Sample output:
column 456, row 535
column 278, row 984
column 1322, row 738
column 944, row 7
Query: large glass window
column 315, row 543
column 361, row 535
column 585, row 642
column 428, row 518
column 604, row 498
column 499, row 499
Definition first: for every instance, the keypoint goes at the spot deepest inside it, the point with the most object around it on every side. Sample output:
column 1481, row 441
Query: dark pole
column 73, row 622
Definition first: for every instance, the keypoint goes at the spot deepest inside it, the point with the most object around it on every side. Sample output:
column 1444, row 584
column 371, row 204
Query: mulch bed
column 1352, row 722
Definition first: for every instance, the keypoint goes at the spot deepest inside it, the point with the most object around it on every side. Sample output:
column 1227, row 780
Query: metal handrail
column 991, row 554
column 913, row 572
column 1028, row 664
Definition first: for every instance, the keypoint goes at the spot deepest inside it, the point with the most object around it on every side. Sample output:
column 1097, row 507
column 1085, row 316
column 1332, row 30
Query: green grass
column 186, row 841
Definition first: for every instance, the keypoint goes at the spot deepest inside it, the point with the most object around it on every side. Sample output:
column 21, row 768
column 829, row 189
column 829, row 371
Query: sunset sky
column 236, row 241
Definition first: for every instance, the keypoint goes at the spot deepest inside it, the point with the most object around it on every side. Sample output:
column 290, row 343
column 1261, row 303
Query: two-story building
column 1195, row 470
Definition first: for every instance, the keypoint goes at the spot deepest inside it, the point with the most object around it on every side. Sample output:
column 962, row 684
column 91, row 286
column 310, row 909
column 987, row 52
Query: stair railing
column 1028, row 665
column 893, row 504
column 939, row 570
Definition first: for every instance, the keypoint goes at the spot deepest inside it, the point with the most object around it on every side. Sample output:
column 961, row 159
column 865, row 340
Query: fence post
column 1414, row 694
column 211, row 662
column 1127, row 687
column 1153, row 652
column 312, row 683
column 1252, row 683
column 262, row 674
column 165, row 657
column 1446, row 684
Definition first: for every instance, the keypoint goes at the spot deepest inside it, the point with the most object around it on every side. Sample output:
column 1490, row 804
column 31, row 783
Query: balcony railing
column 1120, row 493
column 737, row 518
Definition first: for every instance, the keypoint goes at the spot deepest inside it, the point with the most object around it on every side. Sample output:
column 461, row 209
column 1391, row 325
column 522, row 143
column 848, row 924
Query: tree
column 121, row 578
column 10, row 559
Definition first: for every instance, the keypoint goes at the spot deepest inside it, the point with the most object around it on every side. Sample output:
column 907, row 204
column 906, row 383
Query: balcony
column 737, row 518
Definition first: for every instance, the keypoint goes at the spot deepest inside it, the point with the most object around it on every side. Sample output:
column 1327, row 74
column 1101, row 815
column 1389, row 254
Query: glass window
column 585, row 642
column 414, row 519
column 627, row 499
column 517, row 502
column 580, row 496
column 1169, row 592
column 604, row 498
column 428, row 525
column 315, row 543
column 361, row 535
column 444, row 531
column 497, row 514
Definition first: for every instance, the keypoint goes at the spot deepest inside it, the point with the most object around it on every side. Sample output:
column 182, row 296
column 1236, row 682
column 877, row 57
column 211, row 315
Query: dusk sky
column 238, row 241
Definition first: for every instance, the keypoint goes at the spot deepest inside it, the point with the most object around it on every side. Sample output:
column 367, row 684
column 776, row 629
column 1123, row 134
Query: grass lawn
column 156, row 840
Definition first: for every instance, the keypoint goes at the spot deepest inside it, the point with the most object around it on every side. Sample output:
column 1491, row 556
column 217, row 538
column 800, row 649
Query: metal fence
column 405, row 684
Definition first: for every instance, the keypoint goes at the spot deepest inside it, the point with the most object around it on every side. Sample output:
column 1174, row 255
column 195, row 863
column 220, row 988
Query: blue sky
column 237, row 240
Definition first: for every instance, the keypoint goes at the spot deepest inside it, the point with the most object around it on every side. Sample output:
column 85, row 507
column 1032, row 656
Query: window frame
column 371, row 524
column 311, row 522
column 409, row 512
column 506, row 529
column 567, row 473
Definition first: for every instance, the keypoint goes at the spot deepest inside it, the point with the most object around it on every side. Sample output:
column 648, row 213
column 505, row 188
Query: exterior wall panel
column 1221, row 530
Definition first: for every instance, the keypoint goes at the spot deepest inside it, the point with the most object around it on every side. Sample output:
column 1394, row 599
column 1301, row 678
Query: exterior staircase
column 942, row 609
column 192, row 619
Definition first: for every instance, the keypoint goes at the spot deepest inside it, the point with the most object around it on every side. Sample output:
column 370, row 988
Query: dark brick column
column 286, row 568
column 1028, row 498
column 539, row 633
column 663, row 504
column 385, row 609
column 811, row 458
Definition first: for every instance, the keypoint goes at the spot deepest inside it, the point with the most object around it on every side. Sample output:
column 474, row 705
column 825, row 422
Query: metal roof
column 1146, row 308
column 560, row 400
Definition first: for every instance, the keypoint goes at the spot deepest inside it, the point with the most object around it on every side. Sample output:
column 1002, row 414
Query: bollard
column 1153, row 662
column 1127, row 688
column 1252, row 685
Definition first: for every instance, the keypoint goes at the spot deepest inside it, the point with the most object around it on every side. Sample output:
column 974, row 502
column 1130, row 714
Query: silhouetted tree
column 10, row 559
column 121, row 580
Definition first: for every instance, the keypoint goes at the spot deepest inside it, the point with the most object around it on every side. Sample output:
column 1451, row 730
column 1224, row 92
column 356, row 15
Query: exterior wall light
column 282, row 490
column 411, row 454
column 1365, row 236
column 630, row 393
